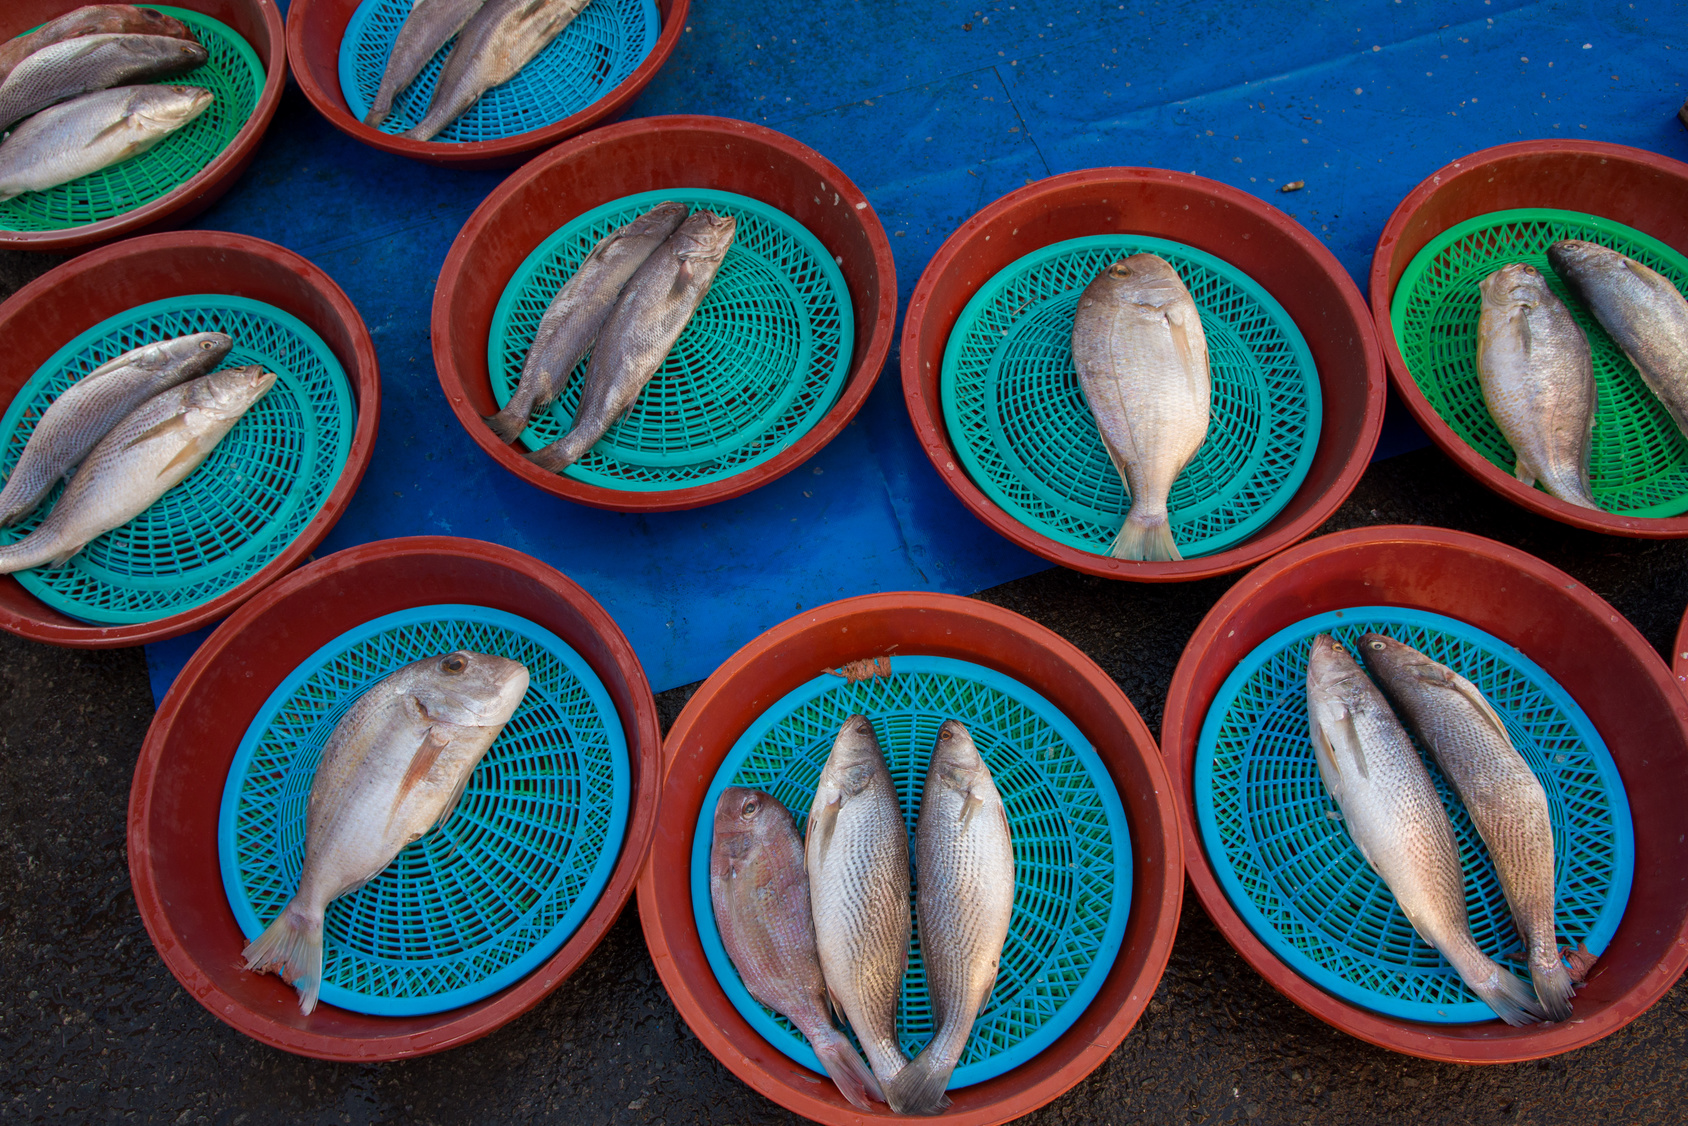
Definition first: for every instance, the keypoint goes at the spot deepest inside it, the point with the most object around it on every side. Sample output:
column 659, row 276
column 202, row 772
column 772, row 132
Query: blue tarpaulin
column 935, row 109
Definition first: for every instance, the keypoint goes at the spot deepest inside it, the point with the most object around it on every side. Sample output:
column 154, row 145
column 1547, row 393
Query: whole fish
column 66, row 142
column 572, row 320
column 497, row 42
column 141, row 459
column 88, row 408
column 1142, row 363
column 760, row 893
column 1640, row 309
column 94, row 62
column 1505, row 799
column 649, row 317
column 393, row 768
column 430, row 24
column 856, row 852
column 1396, row 820
column 94, row 19
column 964, row 861
column 1537, row 377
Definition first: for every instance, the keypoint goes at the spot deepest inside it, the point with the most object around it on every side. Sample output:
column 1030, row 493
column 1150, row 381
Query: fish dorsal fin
column 1457, row 683
column 827, row 823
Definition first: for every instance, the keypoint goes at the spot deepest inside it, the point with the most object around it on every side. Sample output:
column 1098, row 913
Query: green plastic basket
column 602, row 46
column 762, row 360
column 241, row 508
column 1638, row 464
column 1021, row 426
column 1277, row 844
column 481, row 901
column 1072, row 848
column 233, row 73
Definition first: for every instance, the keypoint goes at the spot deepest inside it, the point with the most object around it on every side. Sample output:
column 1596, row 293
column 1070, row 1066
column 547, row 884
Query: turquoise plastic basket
column 602, row 46
column 1021, row 427
column 265, row 481
column 1072, row 848
column 233, row 73
column 478, row 903
column 1278, row 845
column 762, row 360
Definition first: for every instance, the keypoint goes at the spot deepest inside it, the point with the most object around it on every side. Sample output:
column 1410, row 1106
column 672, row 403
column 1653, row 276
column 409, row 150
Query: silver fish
column 66, row 142
column 393, row 768
column 141, row 459
column 856, row 853
column 497, row 42
column 430, row 24
column 760, row 893
column 1396, row 819
column 1537, row 377
column 1501, row 793
column 649, row 317
column 574, row 317
column 91, row 406
column 1142, row 362
column 1640, row 309
column 964, row 858
column 94, row 19
column 94, row 62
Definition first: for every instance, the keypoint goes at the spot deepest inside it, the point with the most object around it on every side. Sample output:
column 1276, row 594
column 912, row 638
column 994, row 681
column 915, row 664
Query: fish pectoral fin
column 450, row 806
column 970, row 805
column 193, row 451
column 1341, row 734
column 421, row 762
column 827, row 823
column 175, row 422
column 1456, row 683
column 682, row 280
column 1191, row 348
column 116, row 127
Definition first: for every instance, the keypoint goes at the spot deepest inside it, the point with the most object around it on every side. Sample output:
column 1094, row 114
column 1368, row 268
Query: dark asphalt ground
column 93, row 1028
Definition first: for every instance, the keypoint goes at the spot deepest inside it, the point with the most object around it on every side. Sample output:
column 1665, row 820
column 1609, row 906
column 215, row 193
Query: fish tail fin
column 562, row 453
column 855, row 1082
column 919, row 1087
column 1512, row 1000
column 1552, row 981
column 508, row 423
column 382, row 106
column 1146, row 537
column 292, row 946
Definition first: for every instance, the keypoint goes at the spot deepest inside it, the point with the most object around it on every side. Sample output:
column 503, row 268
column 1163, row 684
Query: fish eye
column 1377, row 645
column 452, row 664
column 207, row 344
column 864, row 728
column 751, row 805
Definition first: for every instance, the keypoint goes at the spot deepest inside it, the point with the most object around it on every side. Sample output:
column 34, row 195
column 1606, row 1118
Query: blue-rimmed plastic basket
column 761, row 361
column 1277, row 844
column 1024, row 432
column 1072, row 848
column 602, row 46
column 233, row 73
column 476, row 904
column 265, row 481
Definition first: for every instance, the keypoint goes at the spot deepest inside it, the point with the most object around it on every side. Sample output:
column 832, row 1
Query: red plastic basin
column 41, row 317
column 316, row 27
column 939, row 625
column 1582, row 642
column 259, row 23
column 650, row 154
column 1641, row 189
column 1273, row 249
column 178, row 788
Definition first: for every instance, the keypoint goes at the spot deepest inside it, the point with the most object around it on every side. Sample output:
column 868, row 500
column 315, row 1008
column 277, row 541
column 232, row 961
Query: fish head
column 956, row 761
column 1517, row 284
column 744, row 816
column 163, row 51
column 705, row 234
column 230, row 392
column 854, row 760
column 1332, row 673
column 170, row 107
column 1394, row 662
column 665, row 218
column 157, row 23
column 466, row 688
column 1142, row 279
column 199, row 351
column 1573, row 259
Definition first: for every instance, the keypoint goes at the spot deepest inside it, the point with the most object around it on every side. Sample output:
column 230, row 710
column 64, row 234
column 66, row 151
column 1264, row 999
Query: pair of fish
column 498, row 38
column 1396, row 819
column 392, row 769
column 1142, row 363
column 628, row 303
column 130, row 430
column 1535, row 368
column 826, row 921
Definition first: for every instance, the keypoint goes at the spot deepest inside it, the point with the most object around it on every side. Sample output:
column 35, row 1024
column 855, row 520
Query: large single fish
column 141, row 459
column 1142, row 363
column 69, row 141
column 964, row 866
column 95, row 19
column 497, row 42
column 1501, row 793
column 425, row 31
column 1640, row 309
column 88, row 408
column 1537, row 377
column 1396, row 820
column 94, row 62
column 649, row 317
column 392, row 769
column 760, row 893
column 856, row 852
column 572, row 320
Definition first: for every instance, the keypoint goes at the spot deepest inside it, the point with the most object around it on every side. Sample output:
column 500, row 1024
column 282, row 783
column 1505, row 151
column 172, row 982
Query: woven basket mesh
column 1276, row 840
column 479, row 902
